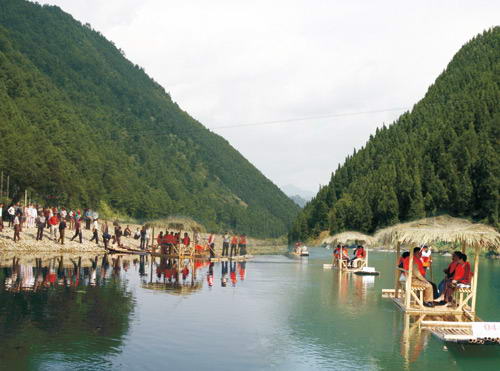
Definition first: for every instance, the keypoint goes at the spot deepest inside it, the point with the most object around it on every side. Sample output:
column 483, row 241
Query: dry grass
column 350, row 237
column 441, row 229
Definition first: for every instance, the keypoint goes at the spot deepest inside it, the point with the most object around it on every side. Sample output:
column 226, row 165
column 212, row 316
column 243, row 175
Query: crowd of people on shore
column 458, row 274
column 54, row 222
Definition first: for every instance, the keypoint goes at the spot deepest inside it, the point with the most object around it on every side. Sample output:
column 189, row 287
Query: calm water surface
column 273, row 312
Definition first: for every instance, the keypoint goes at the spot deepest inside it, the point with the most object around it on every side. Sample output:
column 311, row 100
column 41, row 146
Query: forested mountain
column 442, row 157
column 81, row 125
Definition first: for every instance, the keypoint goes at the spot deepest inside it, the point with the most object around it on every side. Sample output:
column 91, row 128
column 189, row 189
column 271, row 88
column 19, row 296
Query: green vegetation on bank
column 81, row 125
column 442, row 157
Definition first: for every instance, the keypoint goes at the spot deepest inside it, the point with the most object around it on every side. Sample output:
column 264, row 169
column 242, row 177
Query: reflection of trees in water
column 74, row 310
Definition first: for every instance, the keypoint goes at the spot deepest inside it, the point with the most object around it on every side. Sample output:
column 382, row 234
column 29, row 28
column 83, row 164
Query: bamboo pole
column 475, row 279
column 397, row 273
column 153, row 241
column 408, row 281
column 1, row 185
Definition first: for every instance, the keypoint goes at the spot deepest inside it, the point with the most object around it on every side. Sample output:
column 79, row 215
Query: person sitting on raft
column 359, row 253
column 418, row 277
column 461, row 278
column 404, row 256
column 340, row 252
column 127, row 232
column 448, row 272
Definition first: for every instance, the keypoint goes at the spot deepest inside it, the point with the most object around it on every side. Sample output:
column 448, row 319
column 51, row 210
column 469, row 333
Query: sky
column 314, row 78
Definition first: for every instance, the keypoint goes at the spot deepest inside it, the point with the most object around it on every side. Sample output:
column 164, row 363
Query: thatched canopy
column 349, row 237
column 176, row 223
column 178, row 226
column 440, row 229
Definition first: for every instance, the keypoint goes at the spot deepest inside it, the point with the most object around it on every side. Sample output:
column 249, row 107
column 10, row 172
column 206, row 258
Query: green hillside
column 442, row 157
column 80, row 125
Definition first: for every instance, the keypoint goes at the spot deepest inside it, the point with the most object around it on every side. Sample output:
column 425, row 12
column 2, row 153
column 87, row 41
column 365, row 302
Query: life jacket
column 360, row 253
column 234, row 240
column 406, row 264
column 466, row 280
column 243, row 241
column 186, row 240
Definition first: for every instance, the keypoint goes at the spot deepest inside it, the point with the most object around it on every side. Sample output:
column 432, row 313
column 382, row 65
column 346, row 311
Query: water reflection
column 52, row 306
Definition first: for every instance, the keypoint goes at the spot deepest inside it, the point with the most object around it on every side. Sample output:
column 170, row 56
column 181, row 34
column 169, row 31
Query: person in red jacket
column 243, row 244
column 234, row 246
column 186, row 241
column 359, row 253
column 461, row 278
column 53, row 222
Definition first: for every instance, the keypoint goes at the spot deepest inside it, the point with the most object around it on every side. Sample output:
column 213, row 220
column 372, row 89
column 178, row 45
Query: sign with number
column 486, row 329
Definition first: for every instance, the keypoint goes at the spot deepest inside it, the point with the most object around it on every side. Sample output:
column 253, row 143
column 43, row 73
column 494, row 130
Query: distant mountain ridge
column 442, row 157
column 292, row 190
column 82, row 123
column 299, row 200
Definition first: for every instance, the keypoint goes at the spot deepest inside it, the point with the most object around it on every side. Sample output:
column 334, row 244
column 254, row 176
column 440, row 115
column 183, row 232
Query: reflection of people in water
column 210, row 275
column 242, row 269
column 142, row 266
column 232, row 273
column 223, row 279
column 185, row 272
column 116, row 266
column 104, row 267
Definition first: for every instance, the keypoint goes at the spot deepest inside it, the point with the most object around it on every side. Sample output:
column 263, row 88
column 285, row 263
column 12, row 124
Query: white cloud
column 233, row 62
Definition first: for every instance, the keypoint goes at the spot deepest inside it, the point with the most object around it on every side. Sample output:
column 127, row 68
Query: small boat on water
column 304, row 251
column 367, row 271
column 299, row 250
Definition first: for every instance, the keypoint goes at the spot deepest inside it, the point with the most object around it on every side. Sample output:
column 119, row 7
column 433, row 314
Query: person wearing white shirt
column 11, row 211
column 95, row 231
column 1, row 217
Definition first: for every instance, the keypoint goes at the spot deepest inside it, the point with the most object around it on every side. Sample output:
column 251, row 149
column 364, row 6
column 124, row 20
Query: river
column 273, row 312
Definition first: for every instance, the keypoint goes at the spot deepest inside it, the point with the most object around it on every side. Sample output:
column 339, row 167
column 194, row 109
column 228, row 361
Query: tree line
column 442, row 157
column 83, row 125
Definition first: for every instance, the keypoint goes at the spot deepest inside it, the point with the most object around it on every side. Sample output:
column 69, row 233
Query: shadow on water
column 61, row 309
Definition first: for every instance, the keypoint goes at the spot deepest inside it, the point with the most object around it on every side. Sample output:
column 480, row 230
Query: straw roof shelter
column 441, row 229
column 350, row 237
column 429, row 231
column 178, row 223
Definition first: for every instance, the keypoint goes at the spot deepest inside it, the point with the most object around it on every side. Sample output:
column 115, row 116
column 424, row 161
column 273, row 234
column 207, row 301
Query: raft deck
column 464, row 332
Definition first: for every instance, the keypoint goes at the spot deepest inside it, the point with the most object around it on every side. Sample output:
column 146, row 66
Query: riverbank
column 29, row 244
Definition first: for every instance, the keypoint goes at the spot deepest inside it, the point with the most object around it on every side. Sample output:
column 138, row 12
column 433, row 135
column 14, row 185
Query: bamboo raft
column 126, row 250
column 464, row 332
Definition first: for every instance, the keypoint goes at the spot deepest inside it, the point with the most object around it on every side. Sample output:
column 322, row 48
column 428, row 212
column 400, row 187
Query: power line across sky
column 305, row 118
